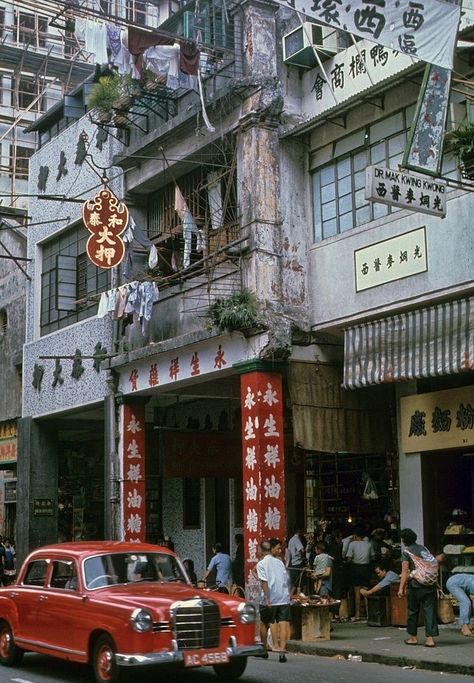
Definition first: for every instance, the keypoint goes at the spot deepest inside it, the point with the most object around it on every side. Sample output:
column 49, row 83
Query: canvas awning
column 428, row 342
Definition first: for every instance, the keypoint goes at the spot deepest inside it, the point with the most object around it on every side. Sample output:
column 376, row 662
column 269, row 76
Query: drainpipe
column 111, row 497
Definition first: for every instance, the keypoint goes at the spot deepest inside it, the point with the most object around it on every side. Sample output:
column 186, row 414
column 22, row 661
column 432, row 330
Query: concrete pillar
column 37, row 473
column 257, row 148
column 410, row 475
column 263, row 460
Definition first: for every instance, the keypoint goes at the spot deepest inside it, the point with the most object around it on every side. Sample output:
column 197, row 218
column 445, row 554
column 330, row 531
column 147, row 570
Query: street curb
column 374, row 658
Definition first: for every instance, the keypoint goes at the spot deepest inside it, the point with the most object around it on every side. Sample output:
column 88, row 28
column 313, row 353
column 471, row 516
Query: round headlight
column 141, row 620
column 247, row 613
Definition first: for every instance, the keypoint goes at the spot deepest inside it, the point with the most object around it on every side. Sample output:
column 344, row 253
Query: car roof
column 81, row 549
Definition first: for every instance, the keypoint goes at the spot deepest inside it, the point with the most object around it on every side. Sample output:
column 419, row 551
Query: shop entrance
column 448, row 494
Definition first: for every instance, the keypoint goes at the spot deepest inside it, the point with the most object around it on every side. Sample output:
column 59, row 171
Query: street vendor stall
column 311, row 617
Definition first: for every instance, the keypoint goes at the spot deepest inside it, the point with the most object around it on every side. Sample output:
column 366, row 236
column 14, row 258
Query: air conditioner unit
column 299, row 44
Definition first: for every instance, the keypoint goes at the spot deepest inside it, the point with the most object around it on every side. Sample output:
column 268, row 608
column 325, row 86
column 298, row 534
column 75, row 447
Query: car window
column 64, row 575
column 115, row 568
column 36, row 573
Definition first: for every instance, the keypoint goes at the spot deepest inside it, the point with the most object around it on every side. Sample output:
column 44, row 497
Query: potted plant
column 236, row 312
column 460, row 143
column 102, row 96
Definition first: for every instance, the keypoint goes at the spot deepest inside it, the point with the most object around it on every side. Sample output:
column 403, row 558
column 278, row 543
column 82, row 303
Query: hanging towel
column 139, row 41
column 189, row 58
column 214, row 196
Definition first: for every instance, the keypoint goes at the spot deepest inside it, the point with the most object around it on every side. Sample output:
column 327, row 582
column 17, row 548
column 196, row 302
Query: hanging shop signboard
column 425, row 29
column 390, row 260
column 407, row 190
column 106, row 218
column 437, row 420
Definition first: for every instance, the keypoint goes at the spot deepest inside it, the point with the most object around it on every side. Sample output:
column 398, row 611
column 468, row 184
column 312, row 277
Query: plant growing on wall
column 236, row 312
column 460, row 144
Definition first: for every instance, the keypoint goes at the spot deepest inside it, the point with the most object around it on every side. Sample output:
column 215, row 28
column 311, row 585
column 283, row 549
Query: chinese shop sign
column 8, row 442
column 425, row 145
column 43, row 507
column 352, row 71
column 438, row 420
column 406, row 190
column 134, row 473
column 390, row 260
column 188, row 362
column 106, row 218
column 426, row 29
column 263, row 463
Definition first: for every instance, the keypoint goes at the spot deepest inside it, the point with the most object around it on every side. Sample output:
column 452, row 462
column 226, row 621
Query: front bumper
column 175, row 656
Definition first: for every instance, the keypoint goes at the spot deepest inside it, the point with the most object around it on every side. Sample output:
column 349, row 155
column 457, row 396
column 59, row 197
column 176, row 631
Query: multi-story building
column 39, row 65
column 190, row 415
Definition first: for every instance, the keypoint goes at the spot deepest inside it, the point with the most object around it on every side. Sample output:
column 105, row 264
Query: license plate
column 205, row 657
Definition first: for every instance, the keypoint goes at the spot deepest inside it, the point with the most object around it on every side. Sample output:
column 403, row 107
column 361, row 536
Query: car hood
column 160, row 595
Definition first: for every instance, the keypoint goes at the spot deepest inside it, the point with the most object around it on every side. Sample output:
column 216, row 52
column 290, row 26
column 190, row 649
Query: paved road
column 299, row 668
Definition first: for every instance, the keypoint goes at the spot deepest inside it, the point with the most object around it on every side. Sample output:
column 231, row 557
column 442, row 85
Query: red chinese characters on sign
column 263, row 461
column 134, row 473
column 106, row 218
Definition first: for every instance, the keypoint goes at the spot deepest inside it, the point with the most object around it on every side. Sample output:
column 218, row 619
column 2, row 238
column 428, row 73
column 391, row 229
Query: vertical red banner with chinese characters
column 134, row 473
column 263, row 464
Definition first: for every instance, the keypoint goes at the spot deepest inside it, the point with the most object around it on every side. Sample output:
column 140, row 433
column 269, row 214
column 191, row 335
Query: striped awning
column 428, row 342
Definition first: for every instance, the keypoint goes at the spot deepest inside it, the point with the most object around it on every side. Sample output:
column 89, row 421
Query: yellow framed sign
column 437, row 420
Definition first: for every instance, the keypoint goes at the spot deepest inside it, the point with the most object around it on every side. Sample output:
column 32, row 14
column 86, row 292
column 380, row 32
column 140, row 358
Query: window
column 19, row 161
column 211, row 199
column 64, row 575
column 191, row 503
column 136, row 12
column 32, row 29
column 70, row 283
column 338, row 188
column 36, row 573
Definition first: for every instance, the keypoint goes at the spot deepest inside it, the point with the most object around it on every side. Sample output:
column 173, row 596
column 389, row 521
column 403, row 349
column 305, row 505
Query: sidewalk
column 453, row 652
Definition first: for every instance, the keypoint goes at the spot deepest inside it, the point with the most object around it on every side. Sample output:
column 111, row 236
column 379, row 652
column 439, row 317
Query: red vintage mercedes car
column 118, row 605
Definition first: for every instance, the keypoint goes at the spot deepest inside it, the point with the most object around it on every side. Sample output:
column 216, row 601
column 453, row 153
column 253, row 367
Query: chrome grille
column 197, row 624
column 161, row 626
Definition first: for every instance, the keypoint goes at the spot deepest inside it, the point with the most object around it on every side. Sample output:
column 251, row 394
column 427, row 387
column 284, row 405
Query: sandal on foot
column 430, row 644
column 410, row 642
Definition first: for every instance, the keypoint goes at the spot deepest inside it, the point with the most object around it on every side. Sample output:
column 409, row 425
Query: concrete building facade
column 167, row 420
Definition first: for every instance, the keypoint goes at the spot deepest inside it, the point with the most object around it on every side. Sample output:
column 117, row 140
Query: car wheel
column 232, row 670
column 10, row 653
column 105, row 667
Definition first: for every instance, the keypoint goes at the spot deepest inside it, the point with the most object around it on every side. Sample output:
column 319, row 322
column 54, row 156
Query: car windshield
column 120, row 568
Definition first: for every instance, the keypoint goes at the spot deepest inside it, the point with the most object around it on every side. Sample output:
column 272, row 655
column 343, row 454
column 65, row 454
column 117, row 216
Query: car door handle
column 13, row 594
column 42, row 598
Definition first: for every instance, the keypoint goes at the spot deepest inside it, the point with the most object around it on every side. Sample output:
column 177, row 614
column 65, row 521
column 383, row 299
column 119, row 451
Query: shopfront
column 439, row 426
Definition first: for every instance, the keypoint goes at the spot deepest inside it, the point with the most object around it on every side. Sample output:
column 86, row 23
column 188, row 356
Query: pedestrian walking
column 265, row 611
column 222, row 564
column 419, row 570
column 275, row 582
column 461, row 586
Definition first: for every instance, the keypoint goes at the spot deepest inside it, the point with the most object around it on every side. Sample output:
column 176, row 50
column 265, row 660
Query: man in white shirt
column 275, row 583
column 296, row 558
